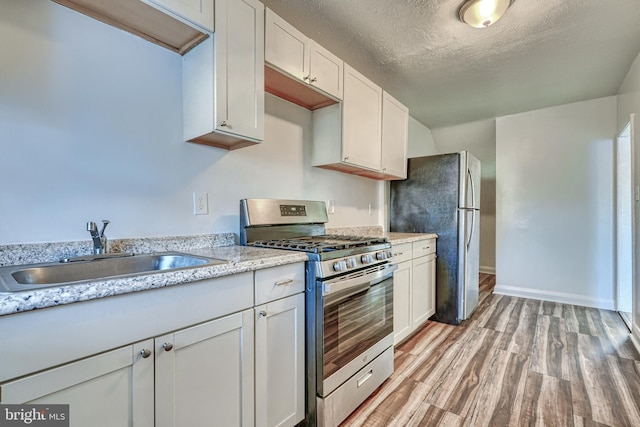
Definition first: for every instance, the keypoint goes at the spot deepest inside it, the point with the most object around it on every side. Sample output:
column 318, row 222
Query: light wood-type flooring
column 515, row 362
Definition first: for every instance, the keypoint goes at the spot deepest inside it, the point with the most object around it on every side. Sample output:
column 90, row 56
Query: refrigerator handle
column 473, row 190
column 473, row 224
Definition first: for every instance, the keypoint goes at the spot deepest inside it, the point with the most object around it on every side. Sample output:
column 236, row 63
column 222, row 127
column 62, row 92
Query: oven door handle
column 357, row 283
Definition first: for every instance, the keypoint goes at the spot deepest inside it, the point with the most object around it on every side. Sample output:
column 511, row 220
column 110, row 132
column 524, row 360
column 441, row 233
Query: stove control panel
column 332, row 267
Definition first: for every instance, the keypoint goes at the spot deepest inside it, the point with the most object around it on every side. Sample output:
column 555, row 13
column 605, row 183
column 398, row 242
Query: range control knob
column 352, row 263
column 389, row 253
column 381, row 256
column 366, row 259
column 339, row 266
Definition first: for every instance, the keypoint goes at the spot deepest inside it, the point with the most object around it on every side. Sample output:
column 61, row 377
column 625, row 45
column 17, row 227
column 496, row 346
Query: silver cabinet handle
column 399, row 253
column 223, row 123
column 167, row 346
column 262, row 313
column 306, row 78
column 284, row 282
column 145, row 353
column 313, row 80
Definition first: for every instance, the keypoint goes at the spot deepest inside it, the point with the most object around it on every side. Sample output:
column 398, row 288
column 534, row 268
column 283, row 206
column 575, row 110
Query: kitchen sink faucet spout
column 99, row 239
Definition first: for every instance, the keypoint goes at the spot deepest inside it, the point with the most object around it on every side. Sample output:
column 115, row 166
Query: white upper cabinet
column 364, row 135
column 177, row 25
column 326, row 71
column 395, row 135
column 223, row 79
column 199, row 12
column 362, row 110
column 347, row 136
column 299, row 69
column 285, row 47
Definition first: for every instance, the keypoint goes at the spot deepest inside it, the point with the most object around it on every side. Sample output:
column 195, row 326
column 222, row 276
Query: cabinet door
column 280, row 362
column 113, row 389
column 204, row 374
column 402, row 321
column 362, row 112
column 431, row 268
column 326, row 71
column 420, row 291
column 423, row 289
column 199, row 12
column 286, row 48
column 395, row 134
column 239, row 68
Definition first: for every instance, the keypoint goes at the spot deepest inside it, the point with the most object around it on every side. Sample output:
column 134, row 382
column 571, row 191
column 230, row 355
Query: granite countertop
column 399, row 238
column 240, row 259
column 377, row 231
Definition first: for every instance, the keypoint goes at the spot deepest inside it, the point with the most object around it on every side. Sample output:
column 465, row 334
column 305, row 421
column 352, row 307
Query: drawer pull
column 167, row 346
column 262, row 313
column 399, row 253
column 284, row 282
column 365, row 378
column 145, row 353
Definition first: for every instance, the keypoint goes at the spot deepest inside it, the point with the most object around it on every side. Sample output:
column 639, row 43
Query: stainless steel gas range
column 349, row 302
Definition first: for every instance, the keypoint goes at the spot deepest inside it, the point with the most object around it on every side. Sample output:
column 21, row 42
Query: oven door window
column 355, row 323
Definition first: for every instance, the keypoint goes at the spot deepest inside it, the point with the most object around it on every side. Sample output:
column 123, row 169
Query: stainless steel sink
column 80, row 270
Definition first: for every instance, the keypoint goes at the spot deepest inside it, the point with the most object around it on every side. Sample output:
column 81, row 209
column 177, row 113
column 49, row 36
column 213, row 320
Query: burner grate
column 320, row 244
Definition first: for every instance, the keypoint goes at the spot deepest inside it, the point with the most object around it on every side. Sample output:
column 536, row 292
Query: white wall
column 479, row 138
column 629, row 103
column 420, row 140
column 91, row 121
column 554, row 204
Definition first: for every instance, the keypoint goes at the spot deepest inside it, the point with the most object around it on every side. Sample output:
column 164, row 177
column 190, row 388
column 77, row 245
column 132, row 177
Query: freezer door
column 469, row 265
column 469, row 194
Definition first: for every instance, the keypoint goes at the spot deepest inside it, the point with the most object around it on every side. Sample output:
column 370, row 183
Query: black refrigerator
column 442, row 195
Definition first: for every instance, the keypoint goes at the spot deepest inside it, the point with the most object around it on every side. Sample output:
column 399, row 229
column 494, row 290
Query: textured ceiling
column 541, row 53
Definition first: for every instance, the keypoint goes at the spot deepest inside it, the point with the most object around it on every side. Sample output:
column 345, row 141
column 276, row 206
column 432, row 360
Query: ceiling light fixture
column 482, row 13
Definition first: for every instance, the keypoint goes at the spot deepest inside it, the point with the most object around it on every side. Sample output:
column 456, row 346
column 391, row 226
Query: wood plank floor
column 515, row 362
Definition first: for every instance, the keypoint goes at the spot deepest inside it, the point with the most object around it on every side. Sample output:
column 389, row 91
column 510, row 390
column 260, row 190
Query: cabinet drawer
column 279, row 282
column 402, row 252
column 424, row 247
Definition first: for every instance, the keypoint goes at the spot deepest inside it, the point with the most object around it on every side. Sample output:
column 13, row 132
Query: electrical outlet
column 200, row 203
column 331, row 207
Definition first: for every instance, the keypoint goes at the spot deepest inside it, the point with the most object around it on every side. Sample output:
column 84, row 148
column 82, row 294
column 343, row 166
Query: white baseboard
column 487, row 269
column 635, row 336
column 561, row 297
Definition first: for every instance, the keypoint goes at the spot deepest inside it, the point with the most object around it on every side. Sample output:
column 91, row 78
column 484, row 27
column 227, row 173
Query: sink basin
column 23, row 277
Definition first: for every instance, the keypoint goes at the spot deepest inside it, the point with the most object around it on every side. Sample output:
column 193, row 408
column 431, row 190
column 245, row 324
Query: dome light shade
column 482, row 13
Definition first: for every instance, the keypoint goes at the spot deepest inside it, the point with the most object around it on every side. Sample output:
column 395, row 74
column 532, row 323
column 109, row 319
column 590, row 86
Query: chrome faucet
column 99, row 239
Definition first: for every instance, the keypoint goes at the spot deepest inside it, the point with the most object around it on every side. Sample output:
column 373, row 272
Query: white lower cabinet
column 121, row 378
column 242, row 368
column 280, row 361
column 414, row 290
column 204, row 374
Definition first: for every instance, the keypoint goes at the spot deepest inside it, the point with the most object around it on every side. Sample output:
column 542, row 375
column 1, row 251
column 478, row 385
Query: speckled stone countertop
column 238, row 259
column 399, row 238
column 375, row 231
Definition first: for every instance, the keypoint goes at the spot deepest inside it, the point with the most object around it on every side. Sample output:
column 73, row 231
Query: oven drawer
column 402, row 252
column 424, row 247
column 279, row 282
column 339, row 404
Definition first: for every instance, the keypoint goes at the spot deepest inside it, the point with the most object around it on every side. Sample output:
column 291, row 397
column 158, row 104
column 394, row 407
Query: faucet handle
column 91, row 226
column 105, row 222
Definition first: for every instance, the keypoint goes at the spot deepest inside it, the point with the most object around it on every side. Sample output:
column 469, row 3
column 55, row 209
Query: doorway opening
column 624, row 225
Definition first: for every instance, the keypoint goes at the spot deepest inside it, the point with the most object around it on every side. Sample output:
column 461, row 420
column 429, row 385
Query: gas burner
column 320, row 244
